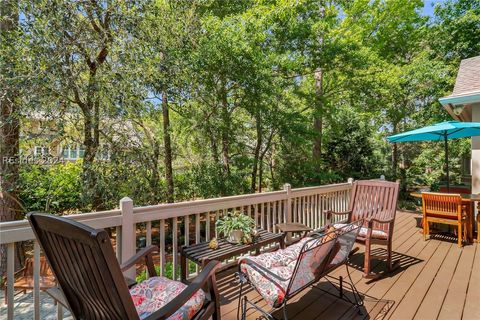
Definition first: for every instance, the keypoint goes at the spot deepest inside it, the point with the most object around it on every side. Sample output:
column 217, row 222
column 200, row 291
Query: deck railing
column 184, row 223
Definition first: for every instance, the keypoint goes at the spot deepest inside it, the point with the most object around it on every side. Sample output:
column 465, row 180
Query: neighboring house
column 46, row 135
column 464, row 105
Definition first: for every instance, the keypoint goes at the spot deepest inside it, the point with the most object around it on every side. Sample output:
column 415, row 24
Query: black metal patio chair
column 278, row 276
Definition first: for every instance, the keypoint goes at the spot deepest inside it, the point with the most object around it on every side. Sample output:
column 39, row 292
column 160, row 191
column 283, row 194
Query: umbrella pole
column 446, row 162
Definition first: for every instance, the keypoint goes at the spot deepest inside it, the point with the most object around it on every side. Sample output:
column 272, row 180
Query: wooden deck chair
column 23, row 278
column 445, row 209
column 374, row 202
column 92, row 284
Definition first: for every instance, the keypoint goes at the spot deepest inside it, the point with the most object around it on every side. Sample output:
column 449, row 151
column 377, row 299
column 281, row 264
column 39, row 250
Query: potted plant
column 235, row 226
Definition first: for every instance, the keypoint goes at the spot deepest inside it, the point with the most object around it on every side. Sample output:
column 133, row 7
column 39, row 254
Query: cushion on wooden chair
column 155, row 292
column 376, row 234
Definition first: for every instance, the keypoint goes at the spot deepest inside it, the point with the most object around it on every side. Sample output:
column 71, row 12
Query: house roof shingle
column 468, row 78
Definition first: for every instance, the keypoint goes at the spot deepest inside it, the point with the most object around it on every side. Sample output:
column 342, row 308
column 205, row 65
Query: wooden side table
column 201, row 253
column 294, row 227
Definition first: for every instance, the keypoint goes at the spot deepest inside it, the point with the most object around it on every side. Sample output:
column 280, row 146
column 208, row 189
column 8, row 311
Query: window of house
column 41, row 151
column 73, row 152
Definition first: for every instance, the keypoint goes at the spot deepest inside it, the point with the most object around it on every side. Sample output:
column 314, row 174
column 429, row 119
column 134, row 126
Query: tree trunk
column 260, row 175
column 271, row 166
column 318, row 116
column 9, row 128
column 168, row 149
column 225, row 113
column 155, row 177
column 256, row 156
column 261, row 159
column 91, row 147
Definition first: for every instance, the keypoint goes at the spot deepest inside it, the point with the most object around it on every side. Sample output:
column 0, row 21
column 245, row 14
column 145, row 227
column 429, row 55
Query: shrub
column 168, row 271
column 55, row 188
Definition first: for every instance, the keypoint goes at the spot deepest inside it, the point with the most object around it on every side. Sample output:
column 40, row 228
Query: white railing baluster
column 298, row 214
column 186, row 231
column 310, row 215
column 304, row 209
column 217, row 216
column 36, row 279
column 269, row 220
column 161, row 233
column 197, row 234
column 274, row 215
column 186, row 224
column 175, row 247
column 262, row 217
column 118, row 242
column 10, row 279
column 148, row 239
column 256, row 215
column 207, row 226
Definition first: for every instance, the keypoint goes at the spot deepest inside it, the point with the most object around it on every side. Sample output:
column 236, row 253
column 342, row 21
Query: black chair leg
column 285, row 316
column 240, row 306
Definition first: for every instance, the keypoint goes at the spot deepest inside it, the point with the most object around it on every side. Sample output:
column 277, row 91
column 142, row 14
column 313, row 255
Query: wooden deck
column 436, row 280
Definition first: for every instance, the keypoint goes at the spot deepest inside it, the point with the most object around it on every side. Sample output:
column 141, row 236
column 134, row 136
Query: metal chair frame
column 244, row 304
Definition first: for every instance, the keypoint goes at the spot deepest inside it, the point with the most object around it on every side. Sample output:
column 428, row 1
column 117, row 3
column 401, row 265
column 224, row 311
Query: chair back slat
column 86, row 268
column 372, row 198
column 442, row 205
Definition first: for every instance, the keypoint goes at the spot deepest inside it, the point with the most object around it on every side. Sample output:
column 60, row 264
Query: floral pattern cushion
column 311, row 263
column 280, row 262
column 155, row 292
column 377, row 234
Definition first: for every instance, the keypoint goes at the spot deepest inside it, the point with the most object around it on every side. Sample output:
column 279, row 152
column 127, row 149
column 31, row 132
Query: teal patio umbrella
column 438, row 132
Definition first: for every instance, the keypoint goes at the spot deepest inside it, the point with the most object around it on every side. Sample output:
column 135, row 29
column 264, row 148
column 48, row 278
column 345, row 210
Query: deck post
column 128, row 234
column 288, row 213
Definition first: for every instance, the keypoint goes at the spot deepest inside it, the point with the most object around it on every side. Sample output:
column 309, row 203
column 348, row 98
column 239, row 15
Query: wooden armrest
column 57, row 295
column 143, row 253
column 337, row 213
column 372, row 220
column 206, row 275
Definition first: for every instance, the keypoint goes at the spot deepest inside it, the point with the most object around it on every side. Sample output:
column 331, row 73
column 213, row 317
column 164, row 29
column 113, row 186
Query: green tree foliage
column 206, row 98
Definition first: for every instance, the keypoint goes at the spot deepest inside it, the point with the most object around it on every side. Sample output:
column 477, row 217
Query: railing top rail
column 14, row 231
column 253, row 196
column 298, row 192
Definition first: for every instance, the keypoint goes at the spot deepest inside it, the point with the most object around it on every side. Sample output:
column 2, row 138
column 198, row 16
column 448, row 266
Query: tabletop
column 293, row 227
column 200, row 253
